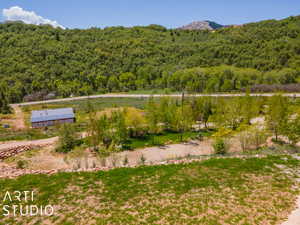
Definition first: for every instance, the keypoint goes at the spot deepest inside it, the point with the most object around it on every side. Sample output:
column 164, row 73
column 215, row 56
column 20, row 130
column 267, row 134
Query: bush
column 142, row 160
column 155, row 141
column 199, row 137
column 67, row 138
column 125, row 162
column 220, row 147
column 21, row 164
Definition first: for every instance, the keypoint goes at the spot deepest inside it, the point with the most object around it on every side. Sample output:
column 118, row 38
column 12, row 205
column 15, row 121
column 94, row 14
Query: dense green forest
column 42, row 59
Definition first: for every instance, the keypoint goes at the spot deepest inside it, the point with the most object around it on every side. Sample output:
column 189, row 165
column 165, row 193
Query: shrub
column 259, row 137
column 136, row 122
column 21, row 164
column 155, row 141
column 222, row 132
column 143, row 160
column 125, row 162
column 67, row 138
column 292, row 129
column 199, row 137
column 220, row 146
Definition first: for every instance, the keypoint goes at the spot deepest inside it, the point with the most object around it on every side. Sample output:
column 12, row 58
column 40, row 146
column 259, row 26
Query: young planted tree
column 251, row 137
column 135, row 122
column 108, row 131
column 207, row 110
column 183, row 120
column 88, row 107
column 292, row 130
column 104, row 132
column 249, row 108
column 277, row 115
column 92, row 128
column 202, row 109
column 220, row 146
column 228, row 113
column 259, row 136
column 167, row 110
column 170, row 114
column 119, row 128
column 153, row 117
column 68, row 139
column 245, row 139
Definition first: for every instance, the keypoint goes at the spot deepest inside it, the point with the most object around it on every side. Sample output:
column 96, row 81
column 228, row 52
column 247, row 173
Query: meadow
column 216, row 191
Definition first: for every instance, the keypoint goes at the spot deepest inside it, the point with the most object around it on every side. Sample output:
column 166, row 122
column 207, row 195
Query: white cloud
column 17, row 13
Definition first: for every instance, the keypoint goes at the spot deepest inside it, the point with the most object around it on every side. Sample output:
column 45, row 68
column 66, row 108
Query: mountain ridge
column 202, row 25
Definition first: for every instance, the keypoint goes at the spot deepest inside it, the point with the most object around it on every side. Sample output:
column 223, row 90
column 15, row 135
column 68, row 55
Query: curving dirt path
column 18, row 121
column 47, row 159
column 295, row 95
column 294, row 217
column 41, row 142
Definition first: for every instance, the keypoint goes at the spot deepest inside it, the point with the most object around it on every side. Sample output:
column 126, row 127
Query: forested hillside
column 80, row 62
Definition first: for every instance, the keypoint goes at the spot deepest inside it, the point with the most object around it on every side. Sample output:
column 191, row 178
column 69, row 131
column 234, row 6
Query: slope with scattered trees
column 42, row 59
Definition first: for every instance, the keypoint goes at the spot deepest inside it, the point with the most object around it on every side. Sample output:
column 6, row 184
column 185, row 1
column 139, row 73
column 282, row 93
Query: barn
column 51, row 117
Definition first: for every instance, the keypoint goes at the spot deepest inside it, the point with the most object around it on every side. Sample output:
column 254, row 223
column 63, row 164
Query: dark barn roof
column 52, row 114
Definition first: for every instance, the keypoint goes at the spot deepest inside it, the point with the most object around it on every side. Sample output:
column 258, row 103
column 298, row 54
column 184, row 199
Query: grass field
column 80, row 108
column 29, row 134
column 165, row 138
column 98, row 104
column 216, row 191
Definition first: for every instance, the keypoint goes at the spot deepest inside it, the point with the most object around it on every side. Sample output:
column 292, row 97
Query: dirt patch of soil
column 47, row 159
column 40, row 159
column 156, row 154
column 18, row 121
column 294, row 217
column 41, row 142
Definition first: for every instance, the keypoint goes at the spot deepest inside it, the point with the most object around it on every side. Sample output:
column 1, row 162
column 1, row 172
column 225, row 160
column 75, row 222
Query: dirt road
column 18, row 121
column 294, row 218
column 47, row 159
column 41, row 142
column 145, row 96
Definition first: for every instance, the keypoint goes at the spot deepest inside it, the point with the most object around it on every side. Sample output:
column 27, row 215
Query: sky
column 169, row 13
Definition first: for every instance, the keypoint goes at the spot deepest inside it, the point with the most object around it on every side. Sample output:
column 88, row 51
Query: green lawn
column 98, row 104
column 164, row 138
column 216, row 191
column 30, row 134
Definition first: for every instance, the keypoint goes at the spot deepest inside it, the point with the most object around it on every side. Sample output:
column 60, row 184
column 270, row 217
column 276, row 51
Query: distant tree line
column 42, row 59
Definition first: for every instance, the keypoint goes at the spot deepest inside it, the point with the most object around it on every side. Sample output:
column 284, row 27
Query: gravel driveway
column 156, row 154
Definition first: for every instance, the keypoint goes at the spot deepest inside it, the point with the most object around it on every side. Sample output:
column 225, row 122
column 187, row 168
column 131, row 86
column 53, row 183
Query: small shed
column 50, row 117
